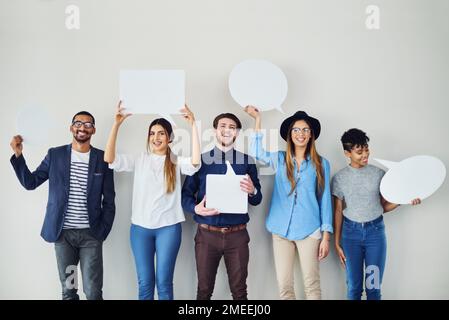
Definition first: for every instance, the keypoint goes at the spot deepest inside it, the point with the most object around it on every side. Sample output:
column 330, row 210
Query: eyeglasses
column 306, row 131
column 87, row 125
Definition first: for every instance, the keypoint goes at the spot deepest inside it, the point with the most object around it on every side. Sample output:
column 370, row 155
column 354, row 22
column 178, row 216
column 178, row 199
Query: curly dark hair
column 354, row 138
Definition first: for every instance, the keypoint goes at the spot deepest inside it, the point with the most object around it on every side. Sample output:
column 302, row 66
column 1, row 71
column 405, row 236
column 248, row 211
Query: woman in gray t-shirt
column 360, row 238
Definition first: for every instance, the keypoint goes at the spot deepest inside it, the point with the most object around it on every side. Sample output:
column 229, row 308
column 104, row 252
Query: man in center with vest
column 221, row 234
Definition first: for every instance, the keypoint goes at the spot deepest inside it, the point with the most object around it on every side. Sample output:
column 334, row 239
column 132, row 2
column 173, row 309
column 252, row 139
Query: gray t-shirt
column 360, row 190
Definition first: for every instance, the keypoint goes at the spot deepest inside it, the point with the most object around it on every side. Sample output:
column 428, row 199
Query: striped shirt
column 76, row 216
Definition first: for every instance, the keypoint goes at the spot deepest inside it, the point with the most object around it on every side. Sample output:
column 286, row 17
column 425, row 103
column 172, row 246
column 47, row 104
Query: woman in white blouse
column 156, row 208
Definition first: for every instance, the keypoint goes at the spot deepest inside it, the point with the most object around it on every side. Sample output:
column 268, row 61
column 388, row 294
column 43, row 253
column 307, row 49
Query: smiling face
column 159, row 139
column 226, row 132
column 358, row 155
column 80, row 128
column 300, row 134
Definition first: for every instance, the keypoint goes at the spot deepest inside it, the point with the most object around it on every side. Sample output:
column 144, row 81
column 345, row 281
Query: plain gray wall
column 392, row 82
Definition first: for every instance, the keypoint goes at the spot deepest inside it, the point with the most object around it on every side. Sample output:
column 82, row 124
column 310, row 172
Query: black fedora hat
column 300, row 115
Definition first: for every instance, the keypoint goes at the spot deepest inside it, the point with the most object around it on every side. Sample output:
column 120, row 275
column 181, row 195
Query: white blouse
column 152, row 206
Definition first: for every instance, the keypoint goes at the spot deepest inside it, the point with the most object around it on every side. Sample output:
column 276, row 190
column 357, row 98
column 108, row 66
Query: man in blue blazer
column 80, row 209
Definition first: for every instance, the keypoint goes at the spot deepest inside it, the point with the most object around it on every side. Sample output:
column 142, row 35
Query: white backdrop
column 391, row 82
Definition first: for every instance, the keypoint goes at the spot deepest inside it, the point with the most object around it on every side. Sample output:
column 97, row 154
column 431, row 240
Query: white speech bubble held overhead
column 411, row 178
column 34, row 124
column 258, row 83
column 153, row 92
column 224, row 194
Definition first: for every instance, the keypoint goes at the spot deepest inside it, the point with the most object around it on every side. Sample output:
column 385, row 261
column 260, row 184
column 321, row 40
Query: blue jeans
column 163, row 243
column 364, row 244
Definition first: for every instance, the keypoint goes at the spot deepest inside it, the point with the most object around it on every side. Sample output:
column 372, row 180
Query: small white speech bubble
column 153, row 92
column 34, row 124
column 224, row 194
column 259, row 83
column 411, row 178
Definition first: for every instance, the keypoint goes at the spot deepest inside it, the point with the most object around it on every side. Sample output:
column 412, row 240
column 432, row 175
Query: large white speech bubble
column 259, row 83
column 153, row 92
column 34, row 124
column 414, row 177
column 224, row 194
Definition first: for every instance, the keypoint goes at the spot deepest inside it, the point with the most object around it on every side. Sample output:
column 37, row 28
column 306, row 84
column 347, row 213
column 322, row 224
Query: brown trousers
column 210, row 246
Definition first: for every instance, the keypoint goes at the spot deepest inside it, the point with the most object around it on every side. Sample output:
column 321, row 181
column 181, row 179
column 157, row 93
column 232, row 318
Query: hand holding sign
column 188, row 114
column 200, row 209
column 120, row 114
column 228, row 192
column 16, row 145
column 246, row 185
column 411, row 179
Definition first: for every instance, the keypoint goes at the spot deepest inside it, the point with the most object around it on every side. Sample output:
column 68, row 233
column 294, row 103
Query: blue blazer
column 56, row 169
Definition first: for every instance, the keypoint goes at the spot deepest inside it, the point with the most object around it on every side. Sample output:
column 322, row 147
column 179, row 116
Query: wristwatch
column 253, row 194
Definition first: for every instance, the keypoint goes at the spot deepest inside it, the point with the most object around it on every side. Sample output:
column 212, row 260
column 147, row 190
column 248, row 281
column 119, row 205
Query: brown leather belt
column 223, row 229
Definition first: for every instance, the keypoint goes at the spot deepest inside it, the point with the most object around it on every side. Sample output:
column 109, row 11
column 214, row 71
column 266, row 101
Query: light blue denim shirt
column 299, row 214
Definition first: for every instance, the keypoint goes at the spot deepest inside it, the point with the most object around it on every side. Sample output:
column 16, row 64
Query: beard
column 84, row 139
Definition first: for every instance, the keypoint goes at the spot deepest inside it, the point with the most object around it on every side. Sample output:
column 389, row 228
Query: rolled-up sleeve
column 325, row 201
column 256, row 199
column 186, row 166
column 123, row 162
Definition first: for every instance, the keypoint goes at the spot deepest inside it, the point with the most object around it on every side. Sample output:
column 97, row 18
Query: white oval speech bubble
column 414, row 177
column 259, row 83
column 34, row 124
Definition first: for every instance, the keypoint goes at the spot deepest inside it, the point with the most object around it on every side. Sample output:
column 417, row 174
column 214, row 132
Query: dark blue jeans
column 365, row 248
column 163, row 244
column 79, row 246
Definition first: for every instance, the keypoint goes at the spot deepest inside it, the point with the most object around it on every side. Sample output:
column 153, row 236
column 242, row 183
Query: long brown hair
column 170, row 158
column 310, row 149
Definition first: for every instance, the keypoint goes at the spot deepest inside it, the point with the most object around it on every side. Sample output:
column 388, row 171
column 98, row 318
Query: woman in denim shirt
column 300, row 216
